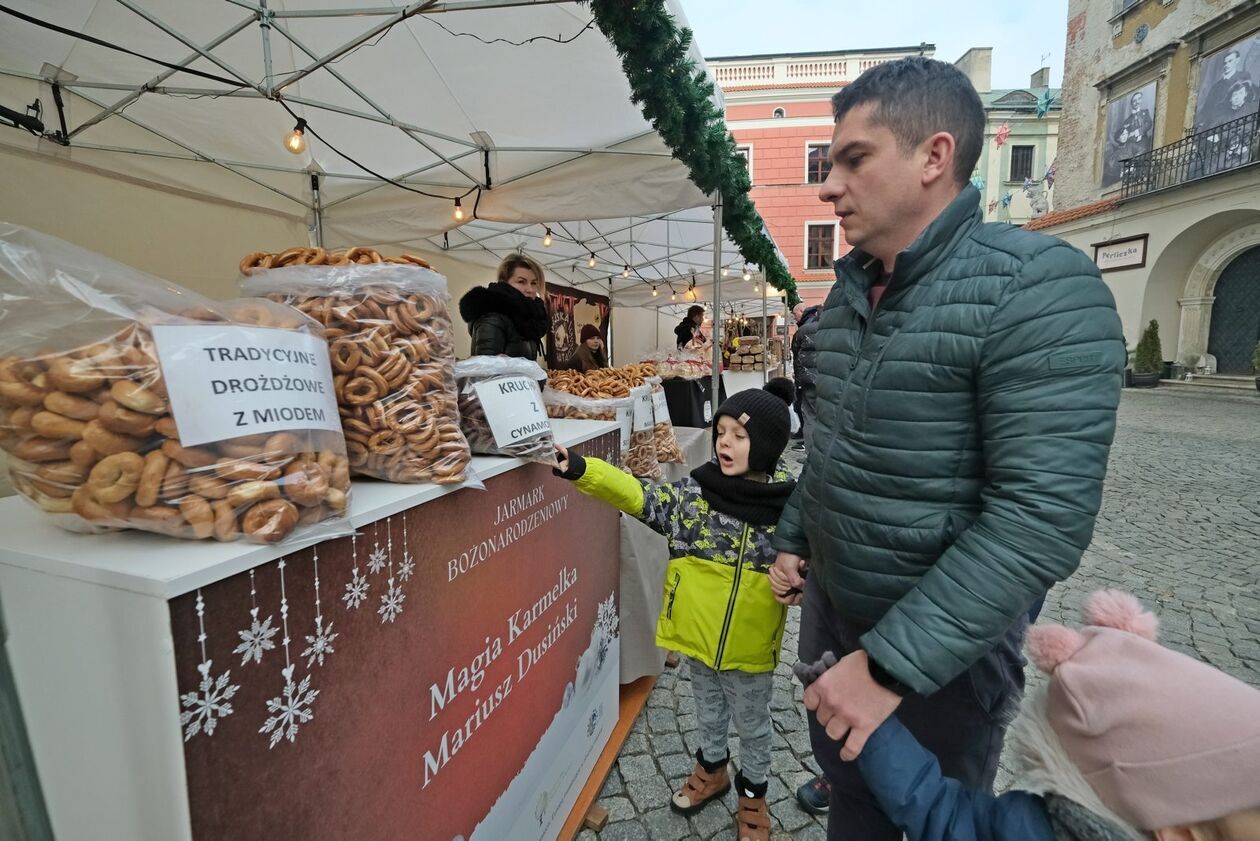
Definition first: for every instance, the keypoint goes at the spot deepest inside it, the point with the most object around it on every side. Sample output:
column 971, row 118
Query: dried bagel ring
column 269, row 521
column 114, row 478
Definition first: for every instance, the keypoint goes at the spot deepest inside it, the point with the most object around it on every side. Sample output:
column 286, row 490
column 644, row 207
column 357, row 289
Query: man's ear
column 938, row 161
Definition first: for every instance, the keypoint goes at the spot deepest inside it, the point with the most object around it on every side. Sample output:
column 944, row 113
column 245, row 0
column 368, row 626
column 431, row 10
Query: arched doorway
column 1236, row 314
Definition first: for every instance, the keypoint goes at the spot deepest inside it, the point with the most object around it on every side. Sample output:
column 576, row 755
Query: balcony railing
column 1215, row 150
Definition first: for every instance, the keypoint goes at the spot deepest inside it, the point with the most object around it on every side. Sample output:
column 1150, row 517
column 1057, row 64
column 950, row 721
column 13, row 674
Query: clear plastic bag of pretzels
column 561, row 404
column 501, row 408
column 667, row 449
column 127, row 402
column 388, row 326
column 641, row 460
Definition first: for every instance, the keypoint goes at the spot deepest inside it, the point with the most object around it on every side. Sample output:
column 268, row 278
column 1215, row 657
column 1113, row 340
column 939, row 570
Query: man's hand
column 785, row 578
column 848, row 701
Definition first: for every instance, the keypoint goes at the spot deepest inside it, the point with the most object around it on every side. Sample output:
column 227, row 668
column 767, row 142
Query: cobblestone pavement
column 1179, row 527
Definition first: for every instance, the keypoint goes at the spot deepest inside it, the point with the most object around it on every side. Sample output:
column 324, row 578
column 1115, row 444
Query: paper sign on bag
column 514, row 409
column 226, row 381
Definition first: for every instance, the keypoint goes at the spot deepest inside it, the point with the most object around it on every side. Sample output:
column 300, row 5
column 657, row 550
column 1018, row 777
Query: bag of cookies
column 390, row 344
column 667, row 449
column 128, row 402
column 561, row 404
column 501, row 408
column 641, row 461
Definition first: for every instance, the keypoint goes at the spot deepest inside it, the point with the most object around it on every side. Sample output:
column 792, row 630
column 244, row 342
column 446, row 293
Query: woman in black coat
column 508, row 317
column 689, row 327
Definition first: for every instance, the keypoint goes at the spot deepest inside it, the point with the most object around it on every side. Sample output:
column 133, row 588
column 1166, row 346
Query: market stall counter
column 449, row 670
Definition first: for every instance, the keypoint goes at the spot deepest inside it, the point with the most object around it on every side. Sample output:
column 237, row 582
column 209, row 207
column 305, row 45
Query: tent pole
column 765, row 334
column 264, row 24
column 716, row 338
column 318, row 210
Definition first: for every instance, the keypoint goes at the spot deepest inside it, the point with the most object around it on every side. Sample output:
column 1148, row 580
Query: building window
column 817, row 163
column 779, row 114
column 820, row 246
column 745, row 152
column 1021, row 163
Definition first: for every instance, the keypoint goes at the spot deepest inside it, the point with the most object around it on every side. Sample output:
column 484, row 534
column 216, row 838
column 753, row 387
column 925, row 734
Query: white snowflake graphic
column 606, row 619
column 320, row 643
column 356, row 591
column 289, row 710
column 256, row 640
column 376, row 560
column 391, row 603
column 204, row 708
column 407, row 568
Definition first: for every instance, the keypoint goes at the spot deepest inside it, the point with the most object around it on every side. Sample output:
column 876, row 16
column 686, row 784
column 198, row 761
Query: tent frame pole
column 716, row 338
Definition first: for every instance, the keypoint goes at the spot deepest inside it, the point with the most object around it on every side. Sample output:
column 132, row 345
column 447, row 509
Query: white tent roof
column 540, row 132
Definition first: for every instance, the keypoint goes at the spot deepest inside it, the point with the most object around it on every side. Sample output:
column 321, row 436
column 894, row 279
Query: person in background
column 590, row 353
column 688, row 330
column 1126, row 741
column 508, row 317
column 805, row 369
column 718, row 608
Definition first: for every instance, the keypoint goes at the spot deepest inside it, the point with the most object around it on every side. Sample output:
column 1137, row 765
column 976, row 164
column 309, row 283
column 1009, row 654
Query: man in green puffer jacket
column 968, row 378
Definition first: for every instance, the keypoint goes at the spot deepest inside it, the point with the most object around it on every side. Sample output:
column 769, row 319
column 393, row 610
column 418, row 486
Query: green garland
column 677, row 100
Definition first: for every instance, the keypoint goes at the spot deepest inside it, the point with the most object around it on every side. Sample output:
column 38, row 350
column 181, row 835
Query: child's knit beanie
column 1163, row 739
column 765, row 416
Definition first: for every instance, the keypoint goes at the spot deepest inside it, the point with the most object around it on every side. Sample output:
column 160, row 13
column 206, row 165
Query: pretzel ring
column 289, row 256
column 53, row 425
column 224, row 520
column 151, row 474
column 395, row 369
column 187, row 456
column 72, row 406
column 22, row 393
column 251, row 261
column 305, row 483
column 114, row 478
column 165, row 427
column 174, row 482
column 362, row 254
column 315, row 256
column 406, row 418
column 157, row 518
column 240, row 470
column 270, row 521
column 361, row 390
column 74, row 375
column 137, row 398
column 344, row 355
column 115, row 418
column 83, row 454
column 199, row 515
column 247, row 493
column 386, row 441
column 211, row 487
column 93, row 510
column 57, row 479
column 337, row 500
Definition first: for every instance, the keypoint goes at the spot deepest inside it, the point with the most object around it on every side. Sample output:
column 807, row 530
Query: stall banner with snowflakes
column 405, row 676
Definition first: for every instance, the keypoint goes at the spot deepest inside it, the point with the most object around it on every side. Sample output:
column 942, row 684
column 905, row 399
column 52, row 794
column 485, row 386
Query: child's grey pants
column 721, row 696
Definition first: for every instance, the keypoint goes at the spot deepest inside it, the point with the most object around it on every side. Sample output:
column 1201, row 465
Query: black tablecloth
column 687, row 401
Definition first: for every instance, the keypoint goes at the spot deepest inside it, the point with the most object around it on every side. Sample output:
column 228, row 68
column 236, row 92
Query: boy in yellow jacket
column 718, row 607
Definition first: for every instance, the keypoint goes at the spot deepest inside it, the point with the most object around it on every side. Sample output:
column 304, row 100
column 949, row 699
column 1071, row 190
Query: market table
column 450, row 670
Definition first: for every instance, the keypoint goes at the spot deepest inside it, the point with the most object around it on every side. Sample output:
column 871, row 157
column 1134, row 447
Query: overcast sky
column 1019, row 32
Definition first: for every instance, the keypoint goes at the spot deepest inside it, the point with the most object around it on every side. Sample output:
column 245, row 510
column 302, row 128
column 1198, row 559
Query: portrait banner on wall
column 1227, row 83
column 1130, row 130
column 571, row 310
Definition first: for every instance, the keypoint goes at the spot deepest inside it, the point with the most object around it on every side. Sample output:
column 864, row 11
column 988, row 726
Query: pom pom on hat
column 1121, row 611
column 1050, row 646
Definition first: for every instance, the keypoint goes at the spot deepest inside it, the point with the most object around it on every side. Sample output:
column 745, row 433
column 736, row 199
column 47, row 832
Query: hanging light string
column 555, row 39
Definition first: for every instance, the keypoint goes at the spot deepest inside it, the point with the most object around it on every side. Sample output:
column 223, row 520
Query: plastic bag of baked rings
column 128, row 402
column 561, row 404
column 501, row 408
column 641, row 461
column 667, row 449
column 389, row 336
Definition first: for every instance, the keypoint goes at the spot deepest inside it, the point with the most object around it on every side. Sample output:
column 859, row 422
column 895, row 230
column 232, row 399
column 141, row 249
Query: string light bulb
column 547, row 238
column 654, row 292
column 458, row 212
column 625, row 272
column 725, row 271
column 747, row 274
column 673, row 296
column 591, row 262
column 756, row 287
column 296, row 140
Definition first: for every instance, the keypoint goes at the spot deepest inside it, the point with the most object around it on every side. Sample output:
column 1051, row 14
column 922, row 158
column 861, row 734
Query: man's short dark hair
column 915, row 98
column 694, row 310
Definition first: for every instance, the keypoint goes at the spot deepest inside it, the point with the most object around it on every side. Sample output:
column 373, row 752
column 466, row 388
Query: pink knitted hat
column 1163, row 739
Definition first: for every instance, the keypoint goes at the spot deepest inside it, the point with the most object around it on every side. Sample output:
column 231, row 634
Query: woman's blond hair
column 512, row 262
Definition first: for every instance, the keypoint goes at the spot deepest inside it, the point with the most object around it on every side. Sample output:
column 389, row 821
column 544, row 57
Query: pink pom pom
column 1050, row 646
column 1121, row 611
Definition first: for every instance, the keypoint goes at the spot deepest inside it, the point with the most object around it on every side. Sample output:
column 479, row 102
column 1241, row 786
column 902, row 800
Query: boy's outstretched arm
column 906, row 779
column 653, row 504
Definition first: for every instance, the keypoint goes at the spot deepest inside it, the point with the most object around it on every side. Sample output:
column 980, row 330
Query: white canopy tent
column 516, row 110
